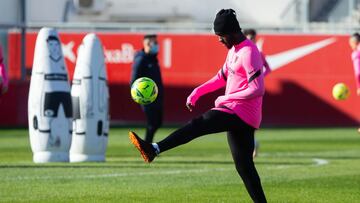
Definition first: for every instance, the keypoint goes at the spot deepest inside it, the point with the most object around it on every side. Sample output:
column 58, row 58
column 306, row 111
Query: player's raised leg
column 212, row 121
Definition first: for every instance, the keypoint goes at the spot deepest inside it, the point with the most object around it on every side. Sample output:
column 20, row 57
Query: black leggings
column 240, row 138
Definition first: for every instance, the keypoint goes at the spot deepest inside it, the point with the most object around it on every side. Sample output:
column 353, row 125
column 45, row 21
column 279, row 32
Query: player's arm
column 136, row 68
column 215, row 83
column 267, row 68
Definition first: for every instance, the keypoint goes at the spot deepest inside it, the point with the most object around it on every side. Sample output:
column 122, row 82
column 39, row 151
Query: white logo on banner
column 283, row 58
column 123, row 55
column 167, row 52
column 67, row 50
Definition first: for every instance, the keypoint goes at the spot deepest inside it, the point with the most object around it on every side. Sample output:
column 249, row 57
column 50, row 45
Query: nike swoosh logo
column 279, row 60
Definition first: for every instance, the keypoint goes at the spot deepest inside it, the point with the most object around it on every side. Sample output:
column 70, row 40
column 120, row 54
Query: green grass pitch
column 295, row 165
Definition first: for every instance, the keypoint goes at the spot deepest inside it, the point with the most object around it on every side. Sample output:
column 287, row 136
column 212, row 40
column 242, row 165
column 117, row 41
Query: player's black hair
column 226, row 23
column 356, row 36
column 250, row 31
column 150, row 36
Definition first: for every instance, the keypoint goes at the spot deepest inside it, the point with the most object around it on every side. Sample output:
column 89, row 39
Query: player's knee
column 156, row 124
column 244, row 166
column 152, row 128
column 196, row 121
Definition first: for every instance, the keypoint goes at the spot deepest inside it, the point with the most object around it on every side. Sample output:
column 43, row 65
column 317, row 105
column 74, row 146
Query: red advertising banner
column 298, row 91
column 180, row 58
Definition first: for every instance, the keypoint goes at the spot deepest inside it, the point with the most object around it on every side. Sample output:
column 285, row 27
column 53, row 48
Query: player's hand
column 358, row 91
column 190, row 101
column 189, row 106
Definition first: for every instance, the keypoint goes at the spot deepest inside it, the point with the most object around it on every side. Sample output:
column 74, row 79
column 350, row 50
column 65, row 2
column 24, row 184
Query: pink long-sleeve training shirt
column 242, row 75
column 355, row 56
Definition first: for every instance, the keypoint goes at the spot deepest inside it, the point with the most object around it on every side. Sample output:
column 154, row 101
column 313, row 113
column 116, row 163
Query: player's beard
column 228, row 46
column 229, row 42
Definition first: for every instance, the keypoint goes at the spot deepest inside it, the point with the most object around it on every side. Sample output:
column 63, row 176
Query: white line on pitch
column 320, row 162
column 316, row 162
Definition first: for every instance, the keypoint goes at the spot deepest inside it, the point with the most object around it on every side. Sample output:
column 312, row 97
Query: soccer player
column 4, row 83
column 238, row 111
column 354, row 42
column 251, row 35
column 146, row 64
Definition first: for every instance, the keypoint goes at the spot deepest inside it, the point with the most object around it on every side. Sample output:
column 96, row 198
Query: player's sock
column 156, row 147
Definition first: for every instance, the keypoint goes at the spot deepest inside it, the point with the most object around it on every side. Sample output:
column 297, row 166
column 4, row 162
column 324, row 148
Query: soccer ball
column 340, row 91
column 144, row 91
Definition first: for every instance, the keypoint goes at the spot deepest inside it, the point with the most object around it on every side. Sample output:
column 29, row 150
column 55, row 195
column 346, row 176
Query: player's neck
column 240, row 38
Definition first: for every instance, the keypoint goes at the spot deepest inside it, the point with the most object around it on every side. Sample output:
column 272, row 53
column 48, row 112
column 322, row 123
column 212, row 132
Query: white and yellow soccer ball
column 340, row 91
column 144, row 91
